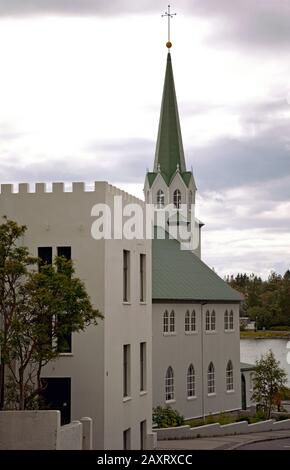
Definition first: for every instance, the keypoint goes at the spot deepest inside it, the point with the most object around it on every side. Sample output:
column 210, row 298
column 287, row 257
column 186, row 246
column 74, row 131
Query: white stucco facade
column 180, row 349
column 95, row 364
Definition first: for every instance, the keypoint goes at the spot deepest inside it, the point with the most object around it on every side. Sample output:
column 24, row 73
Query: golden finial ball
column 169, row 44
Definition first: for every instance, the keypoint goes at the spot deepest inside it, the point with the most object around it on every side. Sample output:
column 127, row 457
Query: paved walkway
column 223, row 442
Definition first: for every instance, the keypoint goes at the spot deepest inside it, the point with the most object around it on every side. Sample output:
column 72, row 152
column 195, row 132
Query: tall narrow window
column 212, row 320
column 172, row 322
column 169, row 384
column 142, row 367
column 190, row 382
column 142, row 278
column 187, row 321
column 64, row 340
column 207, row 321
column 165, row 322
column 126, row 275
column 143, row 432
column 230, row 376
column 193, row 321
column 190, row 199
column 210, row 379
column 231, row 320
column 126, row 370
column 127, row 439
column 44, row 255
column 160, row 199
column 177, row 199
column 226, row 320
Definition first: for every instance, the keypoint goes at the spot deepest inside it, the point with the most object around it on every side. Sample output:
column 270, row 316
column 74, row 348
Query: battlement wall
column 59, row 188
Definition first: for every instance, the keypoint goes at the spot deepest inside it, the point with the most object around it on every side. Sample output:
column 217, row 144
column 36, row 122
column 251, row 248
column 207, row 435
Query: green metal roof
column 181, row 275
column 186, row 175
column 169, row 147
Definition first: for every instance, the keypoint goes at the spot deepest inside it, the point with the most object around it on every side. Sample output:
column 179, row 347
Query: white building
column 196, row 334
column 106, row 374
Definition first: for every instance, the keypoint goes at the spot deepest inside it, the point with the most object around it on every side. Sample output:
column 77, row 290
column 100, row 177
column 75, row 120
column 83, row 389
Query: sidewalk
column 222, row 443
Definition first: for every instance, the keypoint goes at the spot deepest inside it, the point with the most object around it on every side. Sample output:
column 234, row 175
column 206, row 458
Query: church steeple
column 169, row 153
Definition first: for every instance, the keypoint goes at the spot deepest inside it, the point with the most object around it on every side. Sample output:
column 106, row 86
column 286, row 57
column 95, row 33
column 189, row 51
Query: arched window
column 190, row 199
column 230, row 376
column 226, row 320
column 193, row 321
column 210, row 379
column 160, row 199
column 212, row 321
column 172, row 322
column 177, row 199
column 231, row 320
column 169, row 384
column 187, row 321
column 165, row 322
column 190, row 381
column 207, row 321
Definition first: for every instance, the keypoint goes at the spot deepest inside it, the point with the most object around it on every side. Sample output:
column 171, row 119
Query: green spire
column 169, row 153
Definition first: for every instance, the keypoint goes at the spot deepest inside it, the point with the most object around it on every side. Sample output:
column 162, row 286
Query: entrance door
column 57, row 396
column 244, row 393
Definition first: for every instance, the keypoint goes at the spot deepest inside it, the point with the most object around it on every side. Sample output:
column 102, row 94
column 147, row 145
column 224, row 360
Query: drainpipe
column 202, row 362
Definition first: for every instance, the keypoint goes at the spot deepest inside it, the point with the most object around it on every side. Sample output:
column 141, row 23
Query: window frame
column 177, row 199
column 230, row 377
column 211, row 379
column 160, row 199
column 191, row 392
column 169, row 385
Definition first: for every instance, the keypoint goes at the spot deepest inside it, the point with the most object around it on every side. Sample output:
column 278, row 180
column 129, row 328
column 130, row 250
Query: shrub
column 280, row 328
column 166, row 417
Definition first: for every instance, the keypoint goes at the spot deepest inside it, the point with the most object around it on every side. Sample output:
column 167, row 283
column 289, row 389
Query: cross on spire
column 169, row 15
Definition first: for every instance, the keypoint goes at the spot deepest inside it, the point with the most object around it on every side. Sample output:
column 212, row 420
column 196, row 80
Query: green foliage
column 269, row 382
column 167, row 417
column 280, row 328
column 38, row 309
column 266, row 302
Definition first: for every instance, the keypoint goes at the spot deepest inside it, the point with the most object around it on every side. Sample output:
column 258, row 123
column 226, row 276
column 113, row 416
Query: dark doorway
column 57, row 396
column 244, row 393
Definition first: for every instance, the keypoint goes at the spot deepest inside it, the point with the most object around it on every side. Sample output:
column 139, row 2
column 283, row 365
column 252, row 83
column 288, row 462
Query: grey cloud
column 250, row 23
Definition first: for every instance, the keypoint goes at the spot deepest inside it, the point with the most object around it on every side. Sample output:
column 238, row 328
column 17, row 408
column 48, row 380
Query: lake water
column 252, row 349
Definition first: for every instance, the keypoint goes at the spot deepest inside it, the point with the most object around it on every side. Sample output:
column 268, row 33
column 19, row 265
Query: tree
column 38, row 310
column 269, row 382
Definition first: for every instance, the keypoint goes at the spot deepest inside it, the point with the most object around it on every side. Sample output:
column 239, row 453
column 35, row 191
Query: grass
column 265, row 334
column 224, row 418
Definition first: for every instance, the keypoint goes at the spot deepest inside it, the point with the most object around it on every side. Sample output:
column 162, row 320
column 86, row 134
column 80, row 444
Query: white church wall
column 180, row 349
column 96, row 362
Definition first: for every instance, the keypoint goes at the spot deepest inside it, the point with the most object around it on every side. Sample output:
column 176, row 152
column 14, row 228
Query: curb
column 256, row 441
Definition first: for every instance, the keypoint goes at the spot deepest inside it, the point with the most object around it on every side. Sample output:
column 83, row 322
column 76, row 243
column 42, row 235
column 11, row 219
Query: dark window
column 127, row 439
column 64, row 251
column 142, row 366
column 64, row 342
column 126, row 275
column 126, row 370
column 143, row 431
column 142, row 278
column 45, row 255
column 56, row 395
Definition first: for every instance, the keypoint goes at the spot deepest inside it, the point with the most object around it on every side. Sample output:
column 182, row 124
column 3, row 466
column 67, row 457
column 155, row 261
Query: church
column 170, row 334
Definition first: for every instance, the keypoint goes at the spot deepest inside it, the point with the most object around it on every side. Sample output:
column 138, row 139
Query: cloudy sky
column 80, row 93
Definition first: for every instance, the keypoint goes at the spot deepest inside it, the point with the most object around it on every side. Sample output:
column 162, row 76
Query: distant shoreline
column 265, row 335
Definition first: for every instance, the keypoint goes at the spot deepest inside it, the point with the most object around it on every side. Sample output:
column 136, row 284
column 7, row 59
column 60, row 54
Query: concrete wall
column 180, row 349
column 41, row 430
column 70, row 436
column 95, row 365
column 215, row 429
